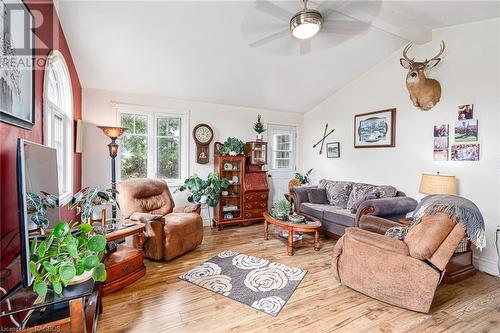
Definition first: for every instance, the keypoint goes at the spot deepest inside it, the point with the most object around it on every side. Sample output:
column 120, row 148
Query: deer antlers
column 407, row 48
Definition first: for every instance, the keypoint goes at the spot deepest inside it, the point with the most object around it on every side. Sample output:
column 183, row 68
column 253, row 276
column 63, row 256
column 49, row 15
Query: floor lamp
column 113, row 133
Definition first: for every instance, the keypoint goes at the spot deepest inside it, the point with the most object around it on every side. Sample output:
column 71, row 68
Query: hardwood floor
column 160, row 302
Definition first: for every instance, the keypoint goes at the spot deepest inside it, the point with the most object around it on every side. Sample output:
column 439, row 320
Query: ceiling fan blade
column 273, row 10
column 327, row 7
column 305, row 47
column 270, row 38
column 344, row 26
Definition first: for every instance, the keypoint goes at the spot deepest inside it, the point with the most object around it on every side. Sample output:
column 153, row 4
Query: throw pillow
column 384, row 191
column 397, row 232
column 359, row 190
column 338, row 193
column 358, row 203
column 317, row 196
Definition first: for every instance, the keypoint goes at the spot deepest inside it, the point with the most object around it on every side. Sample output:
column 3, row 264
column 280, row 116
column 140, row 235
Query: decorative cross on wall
column 322, row 141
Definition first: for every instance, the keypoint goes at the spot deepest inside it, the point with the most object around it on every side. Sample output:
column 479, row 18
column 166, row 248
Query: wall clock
column 203, row 135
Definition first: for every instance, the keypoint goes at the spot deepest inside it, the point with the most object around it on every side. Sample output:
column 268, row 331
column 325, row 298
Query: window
column 282, row 151
column 58, row 120
column 154, row 145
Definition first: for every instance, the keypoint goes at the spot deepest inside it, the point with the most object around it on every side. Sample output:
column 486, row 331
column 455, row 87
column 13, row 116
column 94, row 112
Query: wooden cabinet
column 247, row 195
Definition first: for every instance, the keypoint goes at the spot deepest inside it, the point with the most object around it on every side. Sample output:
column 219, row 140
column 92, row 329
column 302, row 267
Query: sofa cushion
column 315, row 210
column 317, row 196
column 340, row 216
column 337, row 192
column 359, row 190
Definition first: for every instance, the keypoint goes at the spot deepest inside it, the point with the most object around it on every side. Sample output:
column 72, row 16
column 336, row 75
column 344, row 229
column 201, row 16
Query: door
column 282, row 159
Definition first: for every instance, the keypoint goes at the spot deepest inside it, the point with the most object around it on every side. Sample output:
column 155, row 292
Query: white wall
column 225, row 120
column 469, row 73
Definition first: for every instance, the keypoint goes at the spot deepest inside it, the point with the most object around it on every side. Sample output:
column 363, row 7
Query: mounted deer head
column 424, row 93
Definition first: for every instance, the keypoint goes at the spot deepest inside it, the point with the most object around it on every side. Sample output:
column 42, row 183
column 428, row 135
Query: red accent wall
column 43, row 11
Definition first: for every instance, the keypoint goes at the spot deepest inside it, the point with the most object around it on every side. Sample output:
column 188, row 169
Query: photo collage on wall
column 466, row 135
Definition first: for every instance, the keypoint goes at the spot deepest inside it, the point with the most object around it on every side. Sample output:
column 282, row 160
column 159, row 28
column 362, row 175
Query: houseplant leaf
column 85, row 227
column 57, row 286
column 97, row 243
column 99, row 273
column 90, row 262
column 40, row 288
column 67, row 272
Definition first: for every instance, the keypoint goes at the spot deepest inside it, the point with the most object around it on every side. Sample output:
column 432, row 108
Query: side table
column 125, row 265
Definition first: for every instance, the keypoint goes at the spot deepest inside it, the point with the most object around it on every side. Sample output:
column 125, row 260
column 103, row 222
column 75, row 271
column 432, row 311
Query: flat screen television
column 38, row 190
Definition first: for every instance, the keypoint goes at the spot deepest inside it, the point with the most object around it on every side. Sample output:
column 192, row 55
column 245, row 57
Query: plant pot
column 87, row 275
column 77, row 289
column 259, row 137
column 203, row 199
column 232, row 153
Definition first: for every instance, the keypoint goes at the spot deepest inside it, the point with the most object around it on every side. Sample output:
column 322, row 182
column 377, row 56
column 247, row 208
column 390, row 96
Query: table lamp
column 113, row 133
column 438, row 184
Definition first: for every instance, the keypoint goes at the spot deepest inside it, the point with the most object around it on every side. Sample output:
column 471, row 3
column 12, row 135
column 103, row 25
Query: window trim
column 49, row 111
column 152, row 113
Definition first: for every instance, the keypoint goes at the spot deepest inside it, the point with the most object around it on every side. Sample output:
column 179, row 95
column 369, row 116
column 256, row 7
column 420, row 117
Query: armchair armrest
column 376, row 224
column 154, row 224
column 382, row 242
column 193, row 208
column 395, row 206
column 146, row 217
column 300, row 195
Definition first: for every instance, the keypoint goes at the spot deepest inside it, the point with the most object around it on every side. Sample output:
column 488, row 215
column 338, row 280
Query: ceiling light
column 306, row 24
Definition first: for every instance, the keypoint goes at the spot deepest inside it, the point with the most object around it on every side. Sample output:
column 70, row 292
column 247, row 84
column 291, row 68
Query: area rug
column 257, row 282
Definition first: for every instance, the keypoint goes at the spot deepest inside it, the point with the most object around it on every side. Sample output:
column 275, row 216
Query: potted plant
column 85, row 200
column 205, row 191
column 232, row 146
column 281, row 209
column 304, row 179
column 259, row 128
column 64, row 258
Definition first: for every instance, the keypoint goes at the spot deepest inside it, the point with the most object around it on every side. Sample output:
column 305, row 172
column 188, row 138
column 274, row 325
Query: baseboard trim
column 486, row 265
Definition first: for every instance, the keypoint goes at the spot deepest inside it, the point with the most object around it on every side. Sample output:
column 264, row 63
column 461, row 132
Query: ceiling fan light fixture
column 306, row 24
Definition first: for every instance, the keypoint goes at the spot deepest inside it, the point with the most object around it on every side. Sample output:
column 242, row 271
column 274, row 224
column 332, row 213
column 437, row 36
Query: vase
column 76, row 288
column 259, row 137
column 203, row 199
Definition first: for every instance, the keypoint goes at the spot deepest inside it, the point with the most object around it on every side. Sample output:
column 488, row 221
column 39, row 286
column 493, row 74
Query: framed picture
column 465, row 152
column 375, row 129
column 16, row 81
column 440, row 155
column 333, row 150
column 466, row 130
column 465, row 111
column 440, row 131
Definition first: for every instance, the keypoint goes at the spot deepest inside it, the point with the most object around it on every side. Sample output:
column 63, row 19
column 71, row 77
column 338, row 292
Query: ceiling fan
column 326, row 26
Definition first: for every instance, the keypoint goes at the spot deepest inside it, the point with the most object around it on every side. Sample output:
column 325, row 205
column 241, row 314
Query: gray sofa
column 345, row 202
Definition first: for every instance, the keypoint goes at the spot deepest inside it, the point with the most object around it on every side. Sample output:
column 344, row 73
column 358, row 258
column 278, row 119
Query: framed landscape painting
column 333, row 150
column 375, row 129
column 16, row 76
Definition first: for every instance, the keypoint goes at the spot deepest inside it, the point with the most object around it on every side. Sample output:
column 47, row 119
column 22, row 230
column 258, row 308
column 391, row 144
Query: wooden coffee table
column 312, row 226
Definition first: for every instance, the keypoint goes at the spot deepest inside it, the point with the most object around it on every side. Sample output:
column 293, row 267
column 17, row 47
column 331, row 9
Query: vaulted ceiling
column 200, row 50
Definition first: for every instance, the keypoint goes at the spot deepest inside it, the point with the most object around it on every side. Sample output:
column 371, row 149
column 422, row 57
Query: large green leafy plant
column 232, row 146
column 85, row 200
column 211, row 188
column 62, row 255
column 281, row 209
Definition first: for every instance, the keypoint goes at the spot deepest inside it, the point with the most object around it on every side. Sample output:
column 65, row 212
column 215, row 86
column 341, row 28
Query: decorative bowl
column 294, row 218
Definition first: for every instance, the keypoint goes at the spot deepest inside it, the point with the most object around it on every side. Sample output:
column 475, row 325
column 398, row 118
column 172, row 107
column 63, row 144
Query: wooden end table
column 311, row 227
column 125, row 265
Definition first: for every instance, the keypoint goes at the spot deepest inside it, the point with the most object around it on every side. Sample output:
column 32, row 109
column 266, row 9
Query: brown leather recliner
column 170, row 231
column 403, row 273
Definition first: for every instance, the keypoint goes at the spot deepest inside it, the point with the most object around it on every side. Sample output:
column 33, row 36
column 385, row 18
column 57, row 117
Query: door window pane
column 282, row 151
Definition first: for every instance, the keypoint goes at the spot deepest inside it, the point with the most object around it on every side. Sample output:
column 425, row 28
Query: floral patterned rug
column 257, row 282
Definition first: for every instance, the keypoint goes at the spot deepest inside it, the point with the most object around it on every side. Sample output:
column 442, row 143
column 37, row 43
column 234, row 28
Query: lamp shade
column 438, row 184
column 112, row 132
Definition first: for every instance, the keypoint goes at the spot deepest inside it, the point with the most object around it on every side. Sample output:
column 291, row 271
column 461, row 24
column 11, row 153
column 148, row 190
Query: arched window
column 58, row 120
